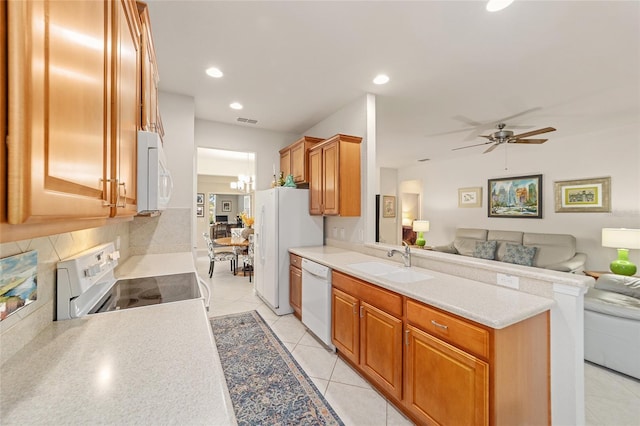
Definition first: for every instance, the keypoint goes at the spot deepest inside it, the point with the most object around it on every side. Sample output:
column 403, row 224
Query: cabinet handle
column 434, row 322
column 361, row 314
column 354, row 309
column 406, row 337
column 124, row 186
column 106, row 202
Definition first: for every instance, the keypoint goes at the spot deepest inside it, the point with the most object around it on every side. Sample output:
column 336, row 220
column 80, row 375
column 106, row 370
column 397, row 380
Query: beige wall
column 21, row 326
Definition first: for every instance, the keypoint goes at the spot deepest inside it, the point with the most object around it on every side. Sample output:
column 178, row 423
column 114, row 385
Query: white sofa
column 612, row 324
column 552, row 251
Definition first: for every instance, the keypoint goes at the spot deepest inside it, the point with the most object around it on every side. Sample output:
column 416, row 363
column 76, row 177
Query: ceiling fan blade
column 528, row 140
column 533, row 132
column 470, row 146
column 491, row 148
column 467, row 121
column 448, row 132
column 527, row 111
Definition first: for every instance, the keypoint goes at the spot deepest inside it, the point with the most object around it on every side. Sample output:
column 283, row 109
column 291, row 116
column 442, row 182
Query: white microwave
column 154, row 179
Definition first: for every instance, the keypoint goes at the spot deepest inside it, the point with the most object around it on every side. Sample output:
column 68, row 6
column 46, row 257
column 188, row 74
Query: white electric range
column 86, row 284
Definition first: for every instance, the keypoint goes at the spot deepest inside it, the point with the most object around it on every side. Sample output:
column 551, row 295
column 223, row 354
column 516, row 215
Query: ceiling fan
column 507, row 136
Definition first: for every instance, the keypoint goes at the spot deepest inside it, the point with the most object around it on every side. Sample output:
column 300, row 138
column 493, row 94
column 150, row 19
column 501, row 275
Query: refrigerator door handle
column 261, row 235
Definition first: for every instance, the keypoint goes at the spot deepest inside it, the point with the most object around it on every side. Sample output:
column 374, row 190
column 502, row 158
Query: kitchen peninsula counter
column 152, row 365
column 494, row 306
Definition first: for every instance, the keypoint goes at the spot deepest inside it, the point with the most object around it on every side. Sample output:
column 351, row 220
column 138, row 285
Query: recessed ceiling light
column 214, row 72
column 381, row 79
column 236, row 105
column 496, row 5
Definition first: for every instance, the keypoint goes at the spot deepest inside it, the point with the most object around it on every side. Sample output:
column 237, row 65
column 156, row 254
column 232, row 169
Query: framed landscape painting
column 519, row 197
column 586, row 195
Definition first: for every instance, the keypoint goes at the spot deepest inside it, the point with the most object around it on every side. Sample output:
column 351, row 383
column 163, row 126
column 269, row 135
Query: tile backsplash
column 170, row 232
column 23, row 325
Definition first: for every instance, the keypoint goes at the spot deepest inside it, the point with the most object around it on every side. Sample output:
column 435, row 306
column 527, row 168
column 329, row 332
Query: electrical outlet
column 334, row 232
column 510, row 281
column 361, row 235
column 342, row 234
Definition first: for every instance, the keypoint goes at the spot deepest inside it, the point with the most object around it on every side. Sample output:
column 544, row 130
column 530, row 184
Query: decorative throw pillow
column 485, row 250
column 519, row 254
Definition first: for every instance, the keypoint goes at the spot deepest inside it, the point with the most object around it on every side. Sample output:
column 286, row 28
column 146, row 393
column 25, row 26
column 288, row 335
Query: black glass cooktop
column 138, row 292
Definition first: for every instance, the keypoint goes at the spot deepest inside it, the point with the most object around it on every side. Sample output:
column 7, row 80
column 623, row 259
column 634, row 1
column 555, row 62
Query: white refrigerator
column 282, row 221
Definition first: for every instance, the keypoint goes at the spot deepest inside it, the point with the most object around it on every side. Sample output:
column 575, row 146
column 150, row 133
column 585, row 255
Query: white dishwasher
column 316, row 300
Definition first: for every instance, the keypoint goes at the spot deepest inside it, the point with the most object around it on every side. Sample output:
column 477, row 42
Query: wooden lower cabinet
column 295, row 284
column 381, row 348
column 295, row 290
column 368, row 336
column 440, row 368
column 444, row 385
column 345, row 324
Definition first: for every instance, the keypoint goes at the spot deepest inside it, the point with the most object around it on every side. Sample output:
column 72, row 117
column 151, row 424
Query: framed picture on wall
column 519, row 197
column 583, row 196
column 226, row 205
column 470, row 197
column 200, row 211
column 200, row 198
column 388, row 206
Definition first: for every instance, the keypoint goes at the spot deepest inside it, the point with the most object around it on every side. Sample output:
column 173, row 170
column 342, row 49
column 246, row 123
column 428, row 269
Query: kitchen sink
column 396, row 274
column 374, row 268
column 406, row 275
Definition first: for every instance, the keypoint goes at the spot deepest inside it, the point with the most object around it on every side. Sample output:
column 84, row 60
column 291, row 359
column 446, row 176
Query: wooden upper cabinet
column 150, row 112
column 58, row 115
column 73, row 110
column 315, row 182
column 285, row 162
column 294, row 159
column 3, row 111
column 126, row 115
column 334, row 182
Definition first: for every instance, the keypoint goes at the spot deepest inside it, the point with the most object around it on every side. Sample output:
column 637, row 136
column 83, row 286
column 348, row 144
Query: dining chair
column 220, row 230
column 248, row 260
column 218, row 255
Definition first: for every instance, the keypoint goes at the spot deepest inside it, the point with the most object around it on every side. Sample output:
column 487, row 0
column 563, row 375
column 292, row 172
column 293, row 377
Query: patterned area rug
column 267, row 386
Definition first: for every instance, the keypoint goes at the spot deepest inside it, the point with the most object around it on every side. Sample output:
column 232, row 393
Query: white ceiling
column 456, row 69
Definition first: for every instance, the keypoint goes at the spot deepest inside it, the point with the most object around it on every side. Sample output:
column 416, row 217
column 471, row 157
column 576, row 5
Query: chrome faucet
column 406, row 256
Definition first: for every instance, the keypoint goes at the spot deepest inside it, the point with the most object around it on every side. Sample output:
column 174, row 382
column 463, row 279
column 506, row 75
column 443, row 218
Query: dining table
column 235, row 242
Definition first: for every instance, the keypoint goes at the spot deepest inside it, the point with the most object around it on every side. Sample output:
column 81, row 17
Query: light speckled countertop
column 151, row 365
column 495, row 306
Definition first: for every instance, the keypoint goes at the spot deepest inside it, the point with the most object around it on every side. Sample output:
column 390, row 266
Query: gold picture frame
column 583, row 195
column 388, row 206
column 470, row 197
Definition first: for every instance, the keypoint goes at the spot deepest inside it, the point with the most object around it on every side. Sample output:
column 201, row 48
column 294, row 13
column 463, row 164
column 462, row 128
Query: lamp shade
column 620, row 238
column 421, row 225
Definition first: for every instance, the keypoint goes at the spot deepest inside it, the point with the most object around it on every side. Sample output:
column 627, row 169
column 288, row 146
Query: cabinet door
column 295, row 290
column 59, row 88
column 126, row 95
column 345, row 324
column 315, row 182
column 444, row 385
column 285, row 163
column 330, row 183
column 381, row 348
column 298, row 163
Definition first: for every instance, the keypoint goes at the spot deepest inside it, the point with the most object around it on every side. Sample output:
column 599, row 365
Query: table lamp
column 622, row 239
column 420, row 226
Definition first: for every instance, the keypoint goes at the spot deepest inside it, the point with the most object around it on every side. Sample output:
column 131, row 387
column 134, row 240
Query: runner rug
column 266, row 384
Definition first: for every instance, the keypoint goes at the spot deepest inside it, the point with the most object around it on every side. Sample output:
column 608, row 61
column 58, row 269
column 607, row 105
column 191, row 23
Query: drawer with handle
column 456, row 331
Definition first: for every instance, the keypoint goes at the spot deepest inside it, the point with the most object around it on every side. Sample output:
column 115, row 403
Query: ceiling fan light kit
column 507, row 136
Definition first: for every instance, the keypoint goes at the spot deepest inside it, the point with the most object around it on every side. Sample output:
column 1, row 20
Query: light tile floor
column 611, row 399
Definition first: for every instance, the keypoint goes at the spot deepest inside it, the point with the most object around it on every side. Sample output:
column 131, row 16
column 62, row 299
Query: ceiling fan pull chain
column 506, row 148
